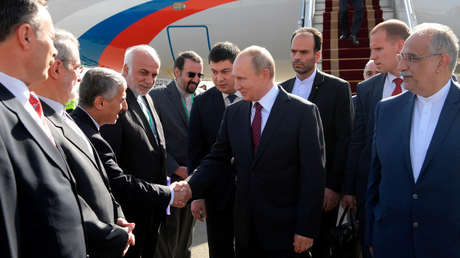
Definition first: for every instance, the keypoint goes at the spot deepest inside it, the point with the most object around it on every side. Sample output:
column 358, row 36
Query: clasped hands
column 182, row 193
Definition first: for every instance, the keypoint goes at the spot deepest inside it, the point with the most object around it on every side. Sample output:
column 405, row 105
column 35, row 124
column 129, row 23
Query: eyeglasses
column 192, row 75
column 411, row 58
column 78, row 68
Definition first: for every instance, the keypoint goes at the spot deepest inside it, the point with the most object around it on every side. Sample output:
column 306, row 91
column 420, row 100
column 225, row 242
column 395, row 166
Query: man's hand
column 349, row 201
column 128, row 227
column 182, row 193
column 331, row 199
column 301, row 243
column 371, row 251
column 198, row 209
column 182, row 172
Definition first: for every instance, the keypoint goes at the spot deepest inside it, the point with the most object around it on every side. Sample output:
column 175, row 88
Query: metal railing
column 307, row 11
column 410, row 14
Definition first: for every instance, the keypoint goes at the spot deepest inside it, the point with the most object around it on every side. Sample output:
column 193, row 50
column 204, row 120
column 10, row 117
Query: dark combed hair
column 180, row 60
column 16, row 12
column 317, row 36
column 222, row 51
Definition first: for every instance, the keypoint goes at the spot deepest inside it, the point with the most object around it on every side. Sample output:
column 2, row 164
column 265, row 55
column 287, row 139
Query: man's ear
column 55, row 69
column 24, row 35
column 124, row 70
column 443, row 62
column 98, row 103
column 317, row 56
column 176, row 72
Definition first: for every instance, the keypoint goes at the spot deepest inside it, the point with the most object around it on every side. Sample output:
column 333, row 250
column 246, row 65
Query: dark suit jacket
column 126, row 188
column 108, row 240
column 407, row 218
column 39, row 211
column 141, row 155
column 172, row 114
column 205, row 119
column 279, row 189
column 368, row 94
column 332, row 95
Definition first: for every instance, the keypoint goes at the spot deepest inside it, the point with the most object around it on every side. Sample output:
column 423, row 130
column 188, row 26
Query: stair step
column 348, row 52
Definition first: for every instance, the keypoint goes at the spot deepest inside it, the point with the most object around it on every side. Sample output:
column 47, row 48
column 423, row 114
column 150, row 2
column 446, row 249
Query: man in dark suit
column 332, row 95
column 173, row 104
column 205, row 117
column 40, row 215
column 279, row 160
column 386, row 41
column 138, row 142
column 412, row 203
column 357, row 19
column 111, row 235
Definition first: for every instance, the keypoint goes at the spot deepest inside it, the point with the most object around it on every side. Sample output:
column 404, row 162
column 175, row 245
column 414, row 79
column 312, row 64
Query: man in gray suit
column 173, row 104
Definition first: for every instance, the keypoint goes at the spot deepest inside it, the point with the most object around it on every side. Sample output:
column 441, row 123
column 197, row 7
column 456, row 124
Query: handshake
column 182, row 193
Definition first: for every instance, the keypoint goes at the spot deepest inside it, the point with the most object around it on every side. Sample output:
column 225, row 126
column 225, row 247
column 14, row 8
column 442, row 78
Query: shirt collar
column 439, row 96
column 307, row 81
column 268, row 100
column 182, row 93
column 56, row 106
column 237, row 93
column 16, row 87
column 92, row 119
column 391, row 77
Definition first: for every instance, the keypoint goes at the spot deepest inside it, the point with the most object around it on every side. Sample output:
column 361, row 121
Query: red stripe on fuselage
column 147, row 28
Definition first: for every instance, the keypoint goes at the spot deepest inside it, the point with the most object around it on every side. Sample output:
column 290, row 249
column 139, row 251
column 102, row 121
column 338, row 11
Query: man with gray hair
column 138, row 141
column 108, row 233
column 412, row 203
column 277, row 142
column 370, row 70
column 40, row 214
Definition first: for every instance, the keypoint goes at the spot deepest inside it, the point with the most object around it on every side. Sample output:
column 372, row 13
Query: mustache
column 406, row 74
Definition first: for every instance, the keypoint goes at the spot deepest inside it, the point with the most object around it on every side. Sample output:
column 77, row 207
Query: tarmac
column 200, row 241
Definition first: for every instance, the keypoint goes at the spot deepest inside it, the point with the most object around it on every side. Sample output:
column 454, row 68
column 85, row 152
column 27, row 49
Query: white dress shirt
column 266, row 102
column 22, row 94
column 187, row 99
column 390, row 86
column 424, row 120
column 303, row 88
column 227, row 101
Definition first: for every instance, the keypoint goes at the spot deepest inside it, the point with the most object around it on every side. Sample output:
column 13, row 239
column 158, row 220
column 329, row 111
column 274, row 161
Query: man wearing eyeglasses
column 386, row 41
column 174, row 103
column 412, row 203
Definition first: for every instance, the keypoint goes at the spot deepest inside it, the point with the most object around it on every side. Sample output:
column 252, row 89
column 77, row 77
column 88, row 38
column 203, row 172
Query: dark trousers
column 219, row 227
column 175, row 236
column 357, row 16
column 146, row 241
column 321, row 247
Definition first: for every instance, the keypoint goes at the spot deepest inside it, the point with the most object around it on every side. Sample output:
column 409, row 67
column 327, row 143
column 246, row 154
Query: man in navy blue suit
column 412, row 203
column 205, row 117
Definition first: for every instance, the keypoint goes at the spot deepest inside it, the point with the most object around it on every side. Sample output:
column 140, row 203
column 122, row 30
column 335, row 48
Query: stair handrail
column 307, row 11
column 410, row 14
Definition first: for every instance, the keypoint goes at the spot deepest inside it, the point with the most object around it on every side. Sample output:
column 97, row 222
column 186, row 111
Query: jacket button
column 415, row 225
column 415, row 196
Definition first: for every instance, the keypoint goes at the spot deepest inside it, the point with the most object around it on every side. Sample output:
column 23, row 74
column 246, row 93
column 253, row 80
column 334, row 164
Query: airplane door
column 189, row 37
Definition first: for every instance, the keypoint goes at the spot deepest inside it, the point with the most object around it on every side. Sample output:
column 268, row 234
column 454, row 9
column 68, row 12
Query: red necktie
column 397, row 89
column 256, row 126
column 35, row 102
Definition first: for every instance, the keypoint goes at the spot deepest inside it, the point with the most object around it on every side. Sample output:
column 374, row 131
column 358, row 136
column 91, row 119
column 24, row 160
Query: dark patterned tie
column 397, row 89
column 231, row 98
column 256, row 126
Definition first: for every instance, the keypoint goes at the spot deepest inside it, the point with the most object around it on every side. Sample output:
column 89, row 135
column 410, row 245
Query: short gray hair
column 443, row 40
column 145, row 48
column 65, row 43
column 99, row 81
column 260, row 59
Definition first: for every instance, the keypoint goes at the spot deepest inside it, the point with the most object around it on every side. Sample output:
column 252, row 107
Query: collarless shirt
column 303, row 88
column 390, row 85
column 22, row 94
column 187, row 98
column 266, row 102
column 227, row 101
column 424, row 120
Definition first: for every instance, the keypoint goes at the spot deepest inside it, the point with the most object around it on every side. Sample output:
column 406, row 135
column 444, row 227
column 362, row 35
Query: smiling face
column 113, row 107
column 141, row 72
column 184, row 79
column 250, row 84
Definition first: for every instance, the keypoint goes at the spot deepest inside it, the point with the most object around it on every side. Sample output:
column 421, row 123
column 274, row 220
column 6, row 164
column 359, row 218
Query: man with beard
column 386, row 41
column 173, row 104
column 332, row 95
column 138, row 142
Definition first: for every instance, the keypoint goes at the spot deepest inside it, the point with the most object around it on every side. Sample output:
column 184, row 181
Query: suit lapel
column 289, row 85
column 35, row 131
column 406, row 122
column 176, row 100
column 449, row 112
column 246, row 137
column 377, row 89
column 275, row 119
column 157, row 121
column 319, row 79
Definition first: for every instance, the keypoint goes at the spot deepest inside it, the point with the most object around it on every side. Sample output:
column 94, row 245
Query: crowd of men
column 131, row 168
